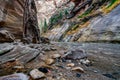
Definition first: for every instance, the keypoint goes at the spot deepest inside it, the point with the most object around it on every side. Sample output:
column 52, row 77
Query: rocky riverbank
column 60, row 61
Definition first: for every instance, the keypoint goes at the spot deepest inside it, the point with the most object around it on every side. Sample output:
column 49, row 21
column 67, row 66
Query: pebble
column 69, row 61
column 68, row 68
column 71, row 65
column 60, row 74
column 50, row 78
column 62, row 79
column 79, row 69
column 18, row 67
column 56, row 56
column 85, row 61
column 78, row 75
column 17, row 76
column 49, row 61
column 75, row 54
column 58, row 78
column 36, row 74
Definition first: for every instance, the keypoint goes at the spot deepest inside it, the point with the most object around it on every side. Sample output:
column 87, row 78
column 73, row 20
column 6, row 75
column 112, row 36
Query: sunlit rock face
column 101, row 28
column 51, row 9
column 46, row 8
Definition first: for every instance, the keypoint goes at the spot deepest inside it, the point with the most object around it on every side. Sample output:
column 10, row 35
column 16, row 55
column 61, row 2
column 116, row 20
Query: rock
column 49, row 61
column 60, row 74
column 56, row 56
column 75, row 54
column 5, row 48
column 60, row 66
column 50, row 78
column 69, row 61
column 53, row 49
column 17, row 76
column 109, row 76
column 44, row 70
column 47, row 66
column 78, row 75
column 20, row 53
column 70, row 15
column 79, row 69
column 68, row 68
column 103, row 29
column 18, row 67
column 44, row 40
column 36, row 74
column 9, row 30
column 85, row 62
column 71, row 65
column 58, row 78
column 59, row 30
column 62, row 79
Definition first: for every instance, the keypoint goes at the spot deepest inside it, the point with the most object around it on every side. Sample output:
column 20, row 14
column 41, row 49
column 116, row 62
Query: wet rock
column 71, row 65
column 63, row 60
column 36, row 74
column 79, row 69
column 44, row 70
column 49, row 61
column 17, row 76
column 75, row 54
column 78, row 75
column 56, row 56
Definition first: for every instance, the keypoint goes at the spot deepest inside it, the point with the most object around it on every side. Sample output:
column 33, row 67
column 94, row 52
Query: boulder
column 36, row 74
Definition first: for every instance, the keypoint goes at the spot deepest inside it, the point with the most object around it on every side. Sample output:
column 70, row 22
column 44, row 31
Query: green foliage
column 66, row 12
column 57, row 17
column 111, row 3
column 45, row 25
column 85, row 14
